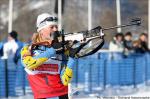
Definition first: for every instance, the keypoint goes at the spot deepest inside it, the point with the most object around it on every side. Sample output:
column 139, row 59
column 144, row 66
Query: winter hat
column 13, row 34
column 44, row 20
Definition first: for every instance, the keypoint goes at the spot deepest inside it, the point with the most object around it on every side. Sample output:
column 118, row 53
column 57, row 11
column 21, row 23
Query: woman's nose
column 55, row 28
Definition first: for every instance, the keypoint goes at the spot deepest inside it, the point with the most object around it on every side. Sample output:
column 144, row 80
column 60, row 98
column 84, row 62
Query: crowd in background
column 124, row 43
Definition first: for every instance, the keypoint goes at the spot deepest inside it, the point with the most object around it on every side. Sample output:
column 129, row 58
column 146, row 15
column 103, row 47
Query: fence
column 91, row 74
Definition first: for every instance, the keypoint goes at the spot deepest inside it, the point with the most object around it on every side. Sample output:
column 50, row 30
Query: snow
column 142, row 92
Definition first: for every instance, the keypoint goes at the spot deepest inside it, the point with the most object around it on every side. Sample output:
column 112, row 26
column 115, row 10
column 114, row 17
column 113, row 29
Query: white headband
column 45, row 20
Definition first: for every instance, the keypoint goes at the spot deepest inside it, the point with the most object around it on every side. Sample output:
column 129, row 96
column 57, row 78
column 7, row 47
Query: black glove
column 73, row 52
column 60, row 47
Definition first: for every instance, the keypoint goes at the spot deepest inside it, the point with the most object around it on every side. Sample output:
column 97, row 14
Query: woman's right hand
column 25, row 51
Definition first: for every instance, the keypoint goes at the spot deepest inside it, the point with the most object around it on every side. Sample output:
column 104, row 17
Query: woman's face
column 47, row 31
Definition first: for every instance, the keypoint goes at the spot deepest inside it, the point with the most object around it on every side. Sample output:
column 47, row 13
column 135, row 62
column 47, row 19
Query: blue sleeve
column 50, row 52
column 71, row 62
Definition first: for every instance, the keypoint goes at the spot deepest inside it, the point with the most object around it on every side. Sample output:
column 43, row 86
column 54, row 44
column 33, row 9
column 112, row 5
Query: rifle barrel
column 136, row 21
column 118, row 26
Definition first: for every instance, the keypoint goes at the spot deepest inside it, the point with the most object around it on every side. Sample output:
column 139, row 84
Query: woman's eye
column 53, row 27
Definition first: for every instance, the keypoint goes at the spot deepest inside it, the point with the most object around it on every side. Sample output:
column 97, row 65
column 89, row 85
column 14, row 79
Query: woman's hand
column 26, row 51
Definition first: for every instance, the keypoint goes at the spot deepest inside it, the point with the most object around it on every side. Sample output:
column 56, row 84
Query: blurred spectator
column 116, row 47
column 117, row 43
column 128, row 45
column 137, row 46
column 10, row 47
column 144, row 42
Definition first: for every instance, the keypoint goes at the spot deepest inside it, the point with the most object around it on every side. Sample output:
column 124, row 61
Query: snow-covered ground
column 109, row 93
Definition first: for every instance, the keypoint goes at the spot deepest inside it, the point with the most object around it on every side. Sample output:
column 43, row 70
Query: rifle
column 91, row 40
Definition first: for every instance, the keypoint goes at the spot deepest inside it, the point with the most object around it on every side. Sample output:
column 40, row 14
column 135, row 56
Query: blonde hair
column 38, row 40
